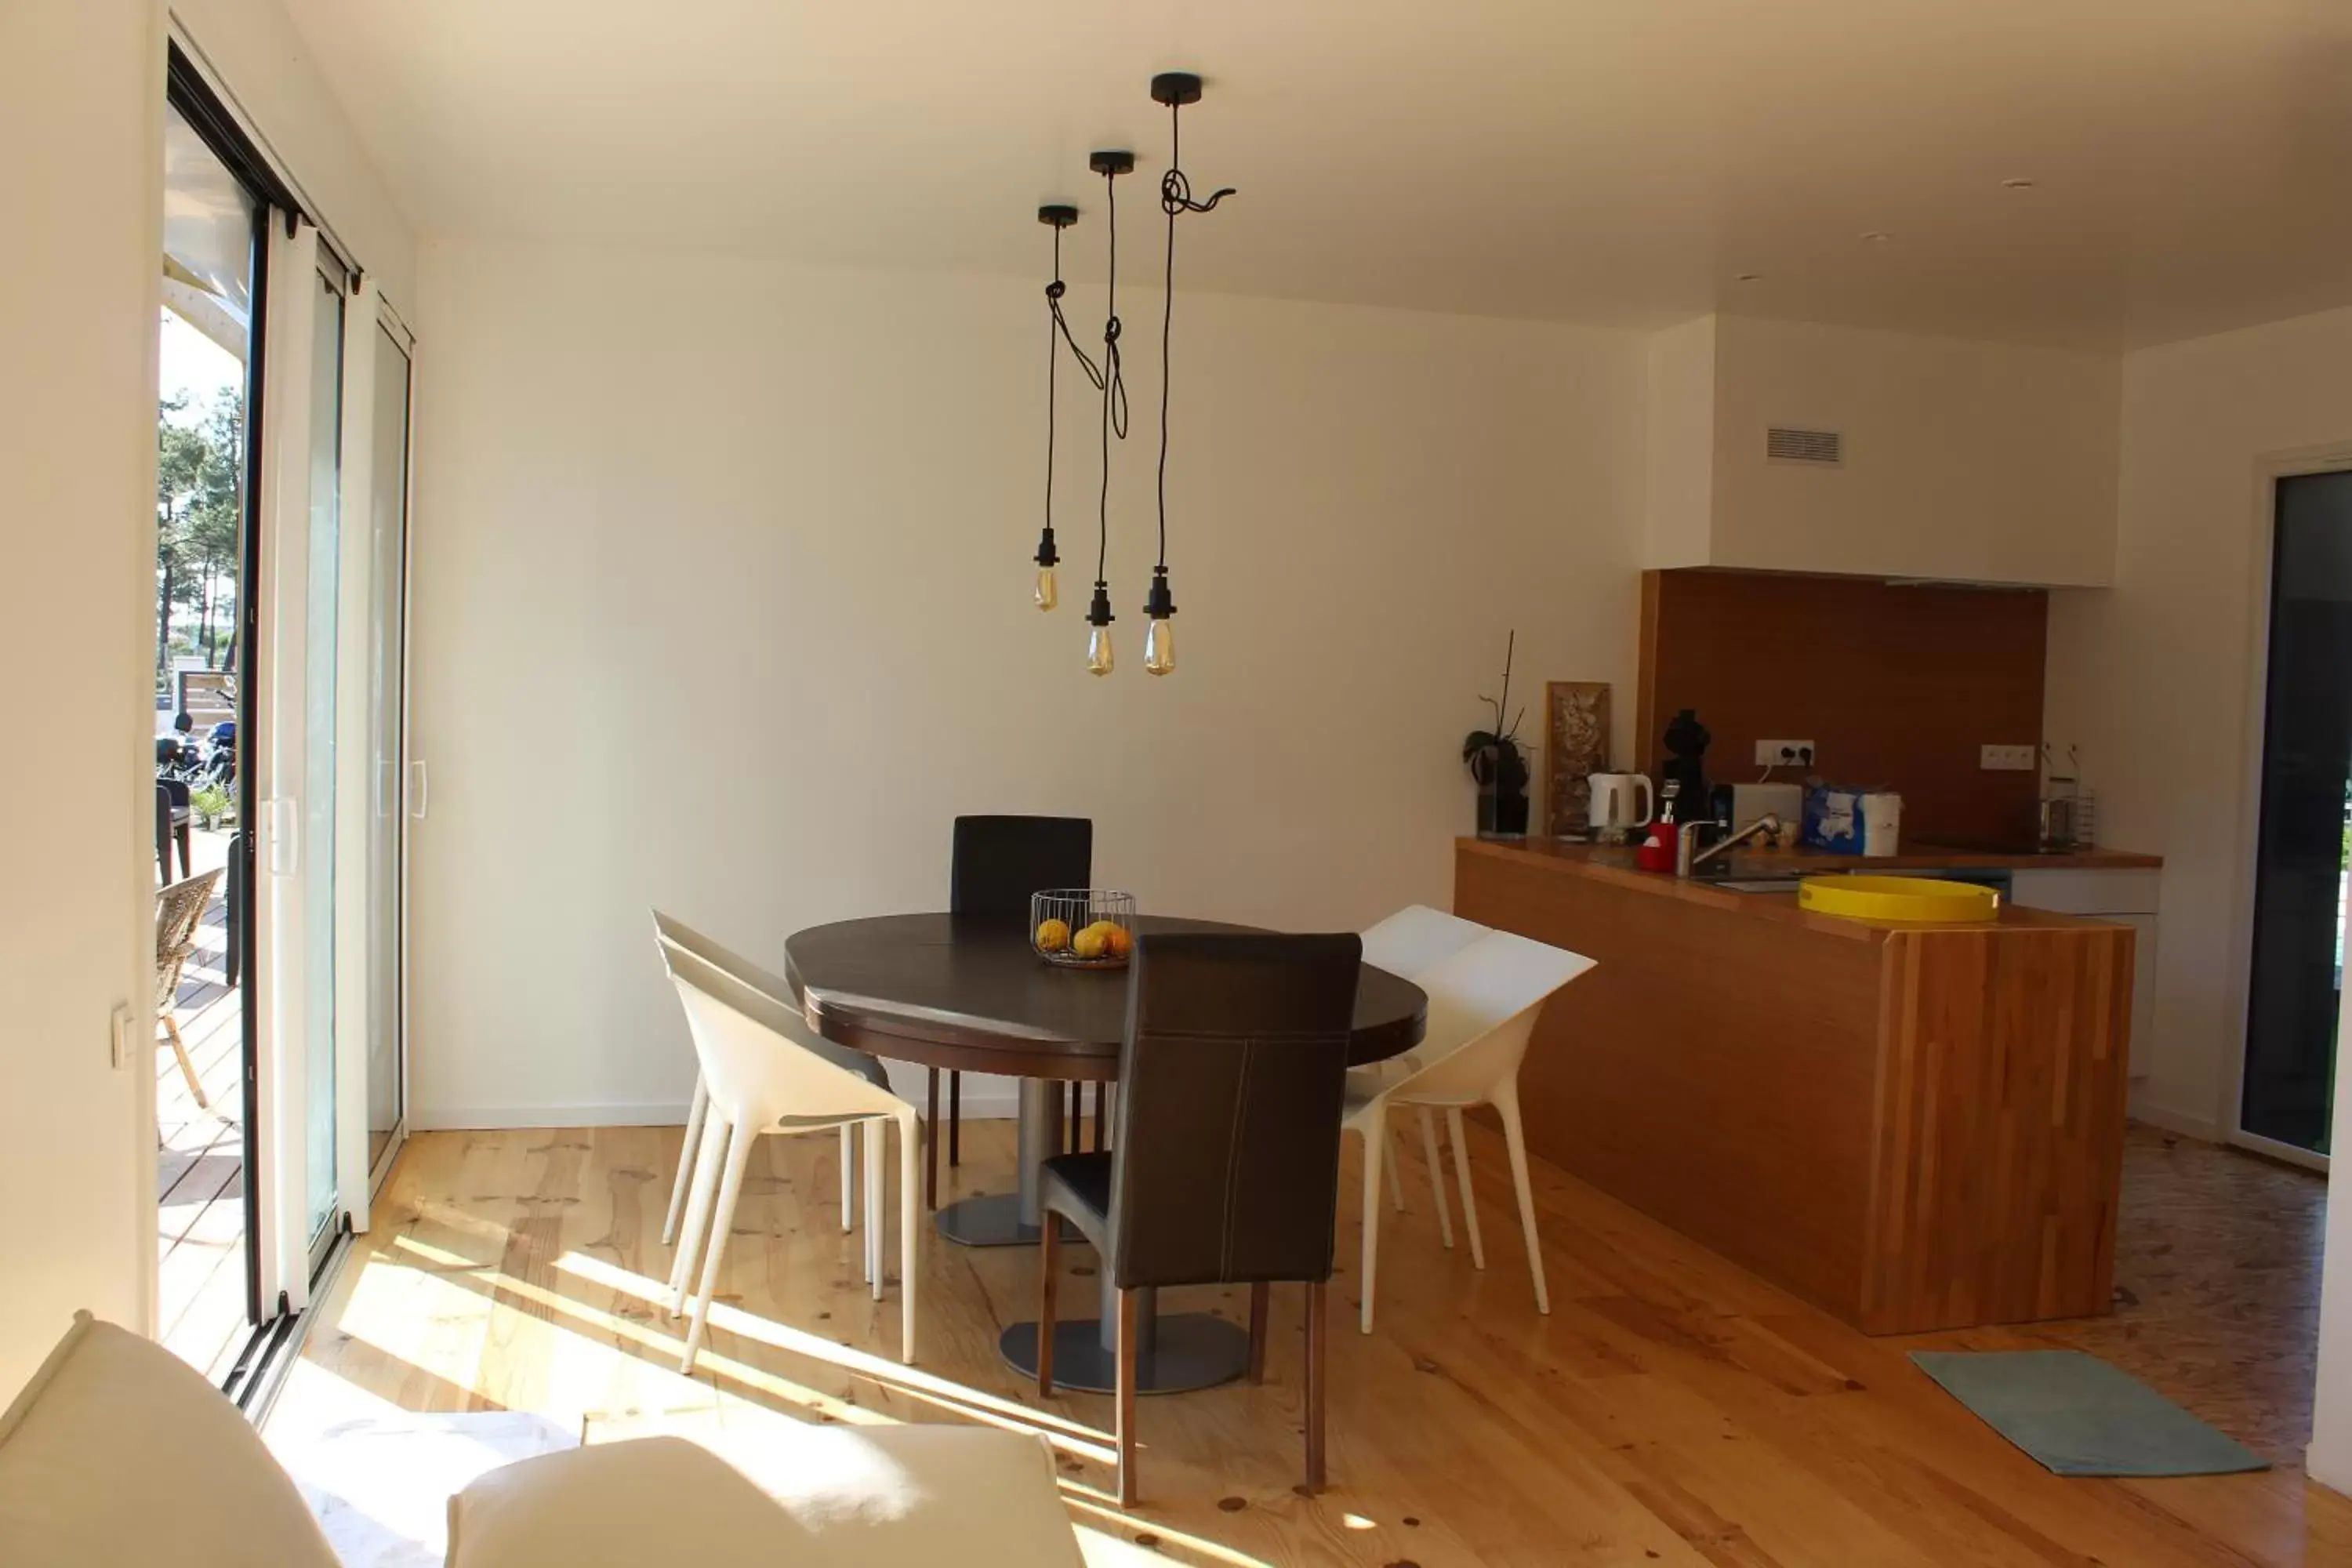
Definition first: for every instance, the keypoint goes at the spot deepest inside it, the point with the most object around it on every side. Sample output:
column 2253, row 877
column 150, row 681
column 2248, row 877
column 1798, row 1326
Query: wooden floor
column 1671, row 1410
column 2217, row 1284
column 200, row 1166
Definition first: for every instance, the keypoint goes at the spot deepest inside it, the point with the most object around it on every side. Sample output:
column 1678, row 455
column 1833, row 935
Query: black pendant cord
column 1175, row 197
column 1060, row 323
column 1059, row 216
column 1113, row 385
column 1053, row 364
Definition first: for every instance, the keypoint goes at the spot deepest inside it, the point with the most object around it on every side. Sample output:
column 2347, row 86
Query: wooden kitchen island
column 1913, row 1127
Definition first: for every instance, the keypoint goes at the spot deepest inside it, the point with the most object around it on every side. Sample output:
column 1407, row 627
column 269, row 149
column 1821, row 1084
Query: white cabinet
column 2126, row 897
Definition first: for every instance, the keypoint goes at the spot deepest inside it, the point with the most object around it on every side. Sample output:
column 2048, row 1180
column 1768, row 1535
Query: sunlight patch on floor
column 434, row 1294
column 913, row 1380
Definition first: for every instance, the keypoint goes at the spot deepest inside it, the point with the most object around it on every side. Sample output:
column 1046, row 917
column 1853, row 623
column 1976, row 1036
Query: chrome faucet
column 1689, row 857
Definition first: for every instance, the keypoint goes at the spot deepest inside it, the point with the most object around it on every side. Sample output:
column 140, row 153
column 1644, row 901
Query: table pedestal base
column 992, row 1220
column 1195, row 1351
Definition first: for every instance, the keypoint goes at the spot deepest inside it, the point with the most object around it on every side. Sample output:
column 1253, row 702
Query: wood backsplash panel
column 1898, row 686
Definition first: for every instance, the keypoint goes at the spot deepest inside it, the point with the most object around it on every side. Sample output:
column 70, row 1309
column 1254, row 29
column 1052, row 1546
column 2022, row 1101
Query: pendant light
column 1110, row 165
column 1058, row 330
column 1174, row 89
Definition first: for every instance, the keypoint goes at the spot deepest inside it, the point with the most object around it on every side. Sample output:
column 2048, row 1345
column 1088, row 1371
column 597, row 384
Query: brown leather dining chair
column 1225, row 1165
column 999, row 862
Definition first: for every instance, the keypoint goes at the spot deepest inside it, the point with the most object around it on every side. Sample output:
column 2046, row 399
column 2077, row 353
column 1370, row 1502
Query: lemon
column 1053, row 936
column 1088, row 943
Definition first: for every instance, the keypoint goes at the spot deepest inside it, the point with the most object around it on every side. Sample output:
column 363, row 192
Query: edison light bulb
column 1159, row 646
column 1098, row 656
column 1159, row 636
column 1047, row 597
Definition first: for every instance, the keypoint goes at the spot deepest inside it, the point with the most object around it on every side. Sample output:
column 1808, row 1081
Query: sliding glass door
column 207, row 1298
column 2296, row 977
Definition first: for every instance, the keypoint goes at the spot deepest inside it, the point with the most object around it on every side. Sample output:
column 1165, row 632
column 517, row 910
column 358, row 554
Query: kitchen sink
column 1756, row 884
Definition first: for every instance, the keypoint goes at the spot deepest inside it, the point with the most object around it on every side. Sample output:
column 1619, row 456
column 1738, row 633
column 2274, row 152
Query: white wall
column 81, row 97
column 722, row 604
column 80, row 105
column 1978, row 461
column 2156, row 679
column 1678, row 452
column 1973, row 460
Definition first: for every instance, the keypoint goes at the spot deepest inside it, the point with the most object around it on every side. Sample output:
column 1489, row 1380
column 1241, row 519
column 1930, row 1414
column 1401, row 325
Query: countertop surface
column 1616, row 867
column 1915, row 857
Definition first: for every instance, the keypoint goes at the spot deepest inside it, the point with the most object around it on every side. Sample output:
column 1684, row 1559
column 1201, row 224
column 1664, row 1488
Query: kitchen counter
column 1918, row 857
column 1616, row 867
column 1913, row 1127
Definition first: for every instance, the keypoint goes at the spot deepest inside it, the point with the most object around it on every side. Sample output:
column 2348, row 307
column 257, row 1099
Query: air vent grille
column 1785, row 443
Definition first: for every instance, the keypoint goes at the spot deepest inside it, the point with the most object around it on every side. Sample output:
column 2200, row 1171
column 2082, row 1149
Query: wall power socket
column 2008, row 759
column 1784, row 753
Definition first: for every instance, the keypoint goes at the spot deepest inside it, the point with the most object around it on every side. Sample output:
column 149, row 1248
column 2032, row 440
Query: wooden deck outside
column 200, row 1165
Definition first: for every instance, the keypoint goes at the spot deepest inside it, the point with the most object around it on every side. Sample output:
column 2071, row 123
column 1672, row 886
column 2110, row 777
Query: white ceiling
column 1617, row 161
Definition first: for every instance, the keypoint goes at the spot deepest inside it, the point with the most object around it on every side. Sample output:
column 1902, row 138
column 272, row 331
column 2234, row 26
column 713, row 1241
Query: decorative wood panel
column 1576, row 746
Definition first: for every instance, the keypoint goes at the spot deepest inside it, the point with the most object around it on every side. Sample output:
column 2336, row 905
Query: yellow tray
column 1927, row 900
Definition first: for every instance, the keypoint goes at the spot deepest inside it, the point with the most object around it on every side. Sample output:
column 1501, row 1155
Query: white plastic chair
column 1417, row 936
column 668, row 927
column 1404, row 944
column 1482, row 1002
column 766, row 1071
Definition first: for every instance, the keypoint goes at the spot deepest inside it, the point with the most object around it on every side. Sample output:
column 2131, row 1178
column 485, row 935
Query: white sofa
column 116, row 1453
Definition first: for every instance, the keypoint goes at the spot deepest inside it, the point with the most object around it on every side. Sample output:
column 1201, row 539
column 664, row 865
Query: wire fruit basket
column 1082, row 928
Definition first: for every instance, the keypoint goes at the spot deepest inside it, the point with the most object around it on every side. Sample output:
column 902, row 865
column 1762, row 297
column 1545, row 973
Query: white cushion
column 877, row 1497
column 119, row 1452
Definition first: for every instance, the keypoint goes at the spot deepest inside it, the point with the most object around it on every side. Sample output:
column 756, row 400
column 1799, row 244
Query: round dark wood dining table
column 968, row 993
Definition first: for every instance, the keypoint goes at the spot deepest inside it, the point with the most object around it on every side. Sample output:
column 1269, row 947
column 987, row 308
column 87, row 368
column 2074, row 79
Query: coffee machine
column 1682, row 793
column 1682, row 777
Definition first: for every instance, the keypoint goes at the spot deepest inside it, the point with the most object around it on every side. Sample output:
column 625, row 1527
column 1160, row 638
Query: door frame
column 2270, row 469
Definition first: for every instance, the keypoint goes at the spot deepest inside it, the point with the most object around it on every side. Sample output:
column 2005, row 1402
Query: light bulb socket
column 1098, row 612
column 1158, row 604
column 1046, row 555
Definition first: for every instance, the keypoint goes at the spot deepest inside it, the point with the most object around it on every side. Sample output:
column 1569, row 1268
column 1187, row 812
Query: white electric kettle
column 1621, row 804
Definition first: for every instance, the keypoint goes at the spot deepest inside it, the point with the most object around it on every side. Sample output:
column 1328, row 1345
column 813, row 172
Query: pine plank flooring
column 1673, row 1409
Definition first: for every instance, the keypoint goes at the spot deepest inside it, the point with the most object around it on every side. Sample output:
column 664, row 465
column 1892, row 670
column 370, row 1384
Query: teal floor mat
column 2079, row 1416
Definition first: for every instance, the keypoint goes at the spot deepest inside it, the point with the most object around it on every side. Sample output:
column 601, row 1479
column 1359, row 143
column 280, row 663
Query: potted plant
column 1498, row 765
